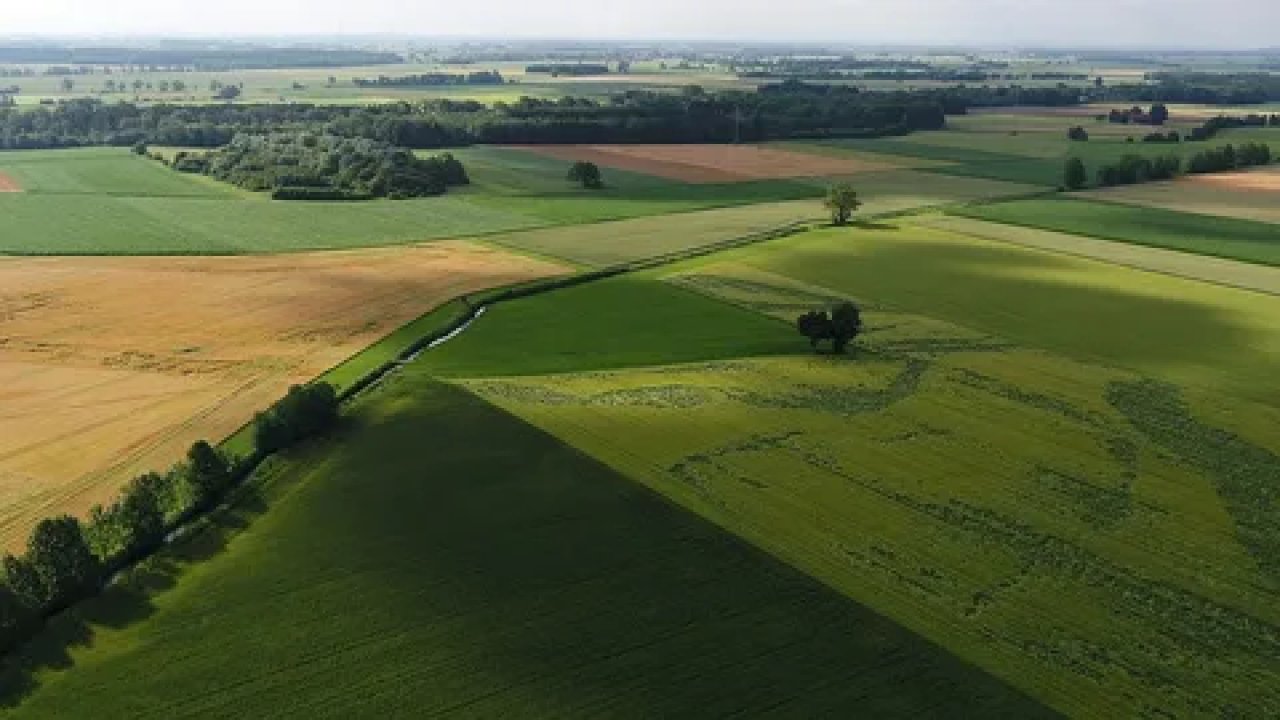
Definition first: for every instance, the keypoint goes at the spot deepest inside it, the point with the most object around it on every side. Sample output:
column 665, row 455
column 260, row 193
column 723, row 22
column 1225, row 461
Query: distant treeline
column 213, row 59
column 1202, row 88
column 67, row 560
column 789, row 110
column 304, row 166
column 484, row 77
column 570, row 69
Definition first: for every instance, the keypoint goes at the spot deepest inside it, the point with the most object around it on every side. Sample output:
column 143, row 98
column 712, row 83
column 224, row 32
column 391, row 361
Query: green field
column 508, row 576
column 1117, row 498
column 1230, row 238
column 103, row 171
column 986, row 146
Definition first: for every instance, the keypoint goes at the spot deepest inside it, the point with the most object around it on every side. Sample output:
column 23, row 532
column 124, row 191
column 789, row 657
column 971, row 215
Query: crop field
column 609, row 243
column 1225, row 237
column 1253, row 195
column 512, row 576
column 1119, row 502
column 712, row 163
column 114, row 366
column 1231, row 273
column 535, row 185
column 102, row 171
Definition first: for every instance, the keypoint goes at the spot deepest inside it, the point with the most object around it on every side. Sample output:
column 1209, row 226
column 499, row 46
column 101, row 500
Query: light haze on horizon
column 1242, row 24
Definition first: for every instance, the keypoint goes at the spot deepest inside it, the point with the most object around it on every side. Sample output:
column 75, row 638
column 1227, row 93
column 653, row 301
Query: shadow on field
column 126, row 602
column 1036, row 299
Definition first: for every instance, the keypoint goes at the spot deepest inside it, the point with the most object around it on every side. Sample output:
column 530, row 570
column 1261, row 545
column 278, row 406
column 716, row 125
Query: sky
column 1006, row 23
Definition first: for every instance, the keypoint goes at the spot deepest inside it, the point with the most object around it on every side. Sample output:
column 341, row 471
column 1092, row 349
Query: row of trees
column 67, row 560
column 305, row 166
column 774, row 112
column 483, row 77
column 1132, row 168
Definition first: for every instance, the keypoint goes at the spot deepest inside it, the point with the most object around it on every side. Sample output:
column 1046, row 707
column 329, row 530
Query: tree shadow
column 128, row 600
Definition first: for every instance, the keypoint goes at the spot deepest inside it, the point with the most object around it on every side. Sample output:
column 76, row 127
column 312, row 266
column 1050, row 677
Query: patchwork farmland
column 588, row 466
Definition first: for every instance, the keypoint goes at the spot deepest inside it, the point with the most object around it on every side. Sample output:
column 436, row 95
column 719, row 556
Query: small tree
column 842, row 201
column 840, row 326
column 1074, row 175
column 1078, row 133
column 846, row 324
column 1159, row 114
column 587, row 173
column 140, row 148
column 816, row 326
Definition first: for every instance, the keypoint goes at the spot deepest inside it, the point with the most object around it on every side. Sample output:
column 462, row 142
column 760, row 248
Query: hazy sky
column 1233, row 23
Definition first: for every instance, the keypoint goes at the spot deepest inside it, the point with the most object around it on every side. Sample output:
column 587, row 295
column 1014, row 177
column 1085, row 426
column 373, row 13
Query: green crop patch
column 447, row 559
column 1018, row 507
column 101, row 171
column 1230, row 238
column 621, row 322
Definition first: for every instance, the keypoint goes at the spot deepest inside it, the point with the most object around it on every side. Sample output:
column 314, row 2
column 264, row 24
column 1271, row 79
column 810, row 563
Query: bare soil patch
column 114, row 366
column 711, row 163
column 8, row 184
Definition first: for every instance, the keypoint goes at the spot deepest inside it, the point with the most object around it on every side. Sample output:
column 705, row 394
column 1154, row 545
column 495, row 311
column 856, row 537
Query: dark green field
column 500, row 574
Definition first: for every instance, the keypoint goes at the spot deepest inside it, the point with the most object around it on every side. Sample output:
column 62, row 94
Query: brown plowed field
column 8, row 184
column 114, row 366
column 710, row 163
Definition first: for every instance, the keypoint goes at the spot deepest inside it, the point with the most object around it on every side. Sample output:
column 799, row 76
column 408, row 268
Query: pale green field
column 1075, row 509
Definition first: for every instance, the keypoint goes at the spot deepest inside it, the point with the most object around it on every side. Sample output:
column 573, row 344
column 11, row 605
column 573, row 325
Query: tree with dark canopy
column 841, row 325
column 61, row 557
column 587, row 173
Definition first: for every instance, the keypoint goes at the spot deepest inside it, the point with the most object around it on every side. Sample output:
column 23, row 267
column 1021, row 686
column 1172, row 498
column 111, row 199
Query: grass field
column 1118, row 502
column 608, row 243
column 1219, row 236
column 1253, row 195
column 102, row 171
column 1231, row 273
column 110, row 367
column 512, row 576
column 627, row 321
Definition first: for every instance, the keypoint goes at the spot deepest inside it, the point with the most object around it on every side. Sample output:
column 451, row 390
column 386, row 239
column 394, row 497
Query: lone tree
column 587, row 173
column 1074, row 175
column 816, row 326
column 840, row 326
column 842, row 201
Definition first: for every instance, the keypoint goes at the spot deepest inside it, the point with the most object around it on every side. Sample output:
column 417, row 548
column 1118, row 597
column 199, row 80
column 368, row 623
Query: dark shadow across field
column 446, row 558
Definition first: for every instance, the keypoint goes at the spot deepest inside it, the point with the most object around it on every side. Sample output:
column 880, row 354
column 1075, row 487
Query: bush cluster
column 304, row 166
column 67, row 560
column 1132, row 169
column 1228, row 157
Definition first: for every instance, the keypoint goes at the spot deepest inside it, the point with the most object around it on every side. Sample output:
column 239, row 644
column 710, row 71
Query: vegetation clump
column 841, row 325
column 588, row 174
column 305, row 166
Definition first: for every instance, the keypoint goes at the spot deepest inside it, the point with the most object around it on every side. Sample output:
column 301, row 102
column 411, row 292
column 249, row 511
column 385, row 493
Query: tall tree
column 208, row 473
column 842, row 201
column 61, row 557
